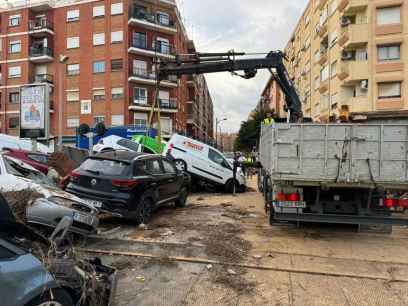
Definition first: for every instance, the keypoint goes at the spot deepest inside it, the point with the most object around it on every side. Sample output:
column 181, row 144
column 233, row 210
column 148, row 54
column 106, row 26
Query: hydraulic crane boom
column 226, row 62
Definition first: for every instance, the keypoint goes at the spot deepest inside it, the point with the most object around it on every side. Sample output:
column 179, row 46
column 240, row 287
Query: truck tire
column 180, row 164
column 61, row 298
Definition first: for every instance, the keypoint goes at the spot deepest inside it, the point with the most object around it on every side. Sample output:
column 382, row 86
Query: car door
column 218, row 166
column 155, row 169
column 173, row 178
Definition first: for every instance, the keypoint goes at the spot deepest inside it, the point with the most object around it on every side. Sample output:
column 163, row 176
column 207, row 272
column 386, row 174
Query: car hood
column 14, row 183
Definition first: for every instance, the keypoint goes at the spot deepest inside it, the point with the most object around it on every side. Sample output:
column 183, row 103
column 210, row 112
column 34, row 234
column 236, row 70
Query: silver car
column 43, row 203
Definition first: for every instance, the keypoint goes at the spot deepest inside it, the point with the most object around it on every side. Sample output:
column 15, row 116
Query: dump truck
column 335, row 173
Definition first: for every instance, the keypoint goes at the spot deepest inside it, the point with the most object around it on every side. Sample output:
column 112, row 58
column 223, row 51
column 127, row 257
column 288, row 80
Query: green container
column 150, row 143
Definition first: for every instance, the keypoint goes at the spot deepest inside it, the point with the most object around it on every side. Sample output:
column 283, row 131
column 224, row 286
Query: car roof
column 122, row 155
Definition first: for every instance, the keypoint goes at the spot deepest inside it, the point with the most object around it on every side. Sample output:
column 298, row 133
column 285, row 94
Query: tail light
column 280, row 196
column 389, row 202
column 293, row 197
column 170, row 147
column 403, row 203
column 74, row 176
column 124, row 184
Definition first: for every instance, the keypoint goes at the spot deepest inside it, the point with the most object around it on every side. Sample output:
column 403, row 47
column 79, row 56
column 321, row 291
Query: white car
column 203, row 162
column 114, row 142
column 26, row 188
column 13, row 142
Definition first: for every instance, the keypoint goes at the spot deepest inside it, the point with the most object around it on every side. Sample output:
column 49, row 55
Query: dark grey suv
column 129, row 184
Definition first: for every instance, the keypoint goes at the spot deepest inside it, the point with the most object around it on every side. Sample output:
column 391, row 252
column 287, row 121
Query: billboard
column 34, row 111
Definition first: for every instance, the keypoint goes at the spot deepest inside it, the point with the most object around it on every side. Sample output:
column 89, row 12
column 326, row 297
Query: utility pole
column 217, row 122
column 62, row 60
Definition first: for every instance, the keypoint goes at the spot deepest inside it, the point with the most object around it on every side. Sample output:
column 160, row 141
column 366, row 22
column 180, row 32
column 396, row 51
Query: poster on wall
column 33, row 111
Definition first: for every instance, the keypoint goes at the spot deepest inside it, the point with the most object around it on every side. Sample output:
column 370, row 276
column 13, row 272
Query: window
column 333, row 69
column 217, row 158
column 72, row 15
column 99, row 11
column 14, row 123
column 39, row 158
column 389, row 53
column 332, row 7
column 140, row 40
column 153, row 166
column 14, row 97
column 86, row 107
column 389, row 90
column 116, row 64
column 99, row 67
column 162, row 45
column 14, row 20
column 72, row 69
column 118, row 120
column 129, row 144
column 99, row 94
column 332, row 38
column 139, row 95
column 324, row 73
column 15, row 46
column 117, row 93
column 168, row 167
column 333, row 99
column 14, row 72
column 72, row 96
column 140, row 68
column 163, row 18
column 140, row 120
column 389, row 15
column 99, row 119
column 316, row 83
column 116, row 37
column 73, row 122
column 72, row 42
column 98, row 39
column 117, row 8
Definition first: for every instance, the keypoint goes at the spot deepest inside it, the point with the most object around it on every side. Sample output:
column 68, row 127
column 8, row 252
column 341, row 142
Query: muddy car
column 36, row 201
column 38, row 272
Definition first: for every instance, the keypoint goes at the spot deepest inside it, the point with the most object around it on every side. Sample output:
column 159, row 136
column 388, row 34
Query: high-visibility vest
column 268, row 121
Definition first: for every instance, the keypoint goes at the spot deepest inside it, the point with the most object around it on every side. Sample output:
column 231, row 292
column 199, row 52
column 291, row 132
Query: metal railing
column 40, row 24
column 43, row 51
column 43, row 78
column 147, row 74
column 158, row 19
column 158, row 46
column 169, row 104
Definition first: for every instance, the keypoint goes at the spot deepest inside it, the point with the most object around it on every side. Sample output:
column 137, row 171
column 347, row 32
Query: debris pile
column 20, row 200
column 61, row 163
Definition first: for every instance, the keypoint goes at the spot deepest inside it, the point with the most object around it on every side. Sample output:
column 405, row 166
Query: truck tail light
column 124, row 184
column 280, row 196
column 403, row 203
column 389, row 202
column 293, row 197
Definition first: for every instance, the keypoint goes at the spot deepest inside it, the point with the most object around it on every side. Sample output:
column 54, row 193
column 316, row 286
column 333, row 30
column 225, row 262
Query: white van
column 203, row 162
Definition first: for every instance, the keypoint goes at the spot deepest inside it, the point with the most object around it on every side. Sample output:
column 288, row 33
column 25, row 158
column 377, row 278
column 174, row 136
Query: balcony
column 41, row 54
column 323, row 30
column 354, row 35
column 144, row 76
column 43, row 78
column 39, row 27
column 349, row 6
column 323, row 57
column 324, row 86
column 160, row 49
column 321, row 4
column 354, row 71
column 166, row 106
column 153, row 22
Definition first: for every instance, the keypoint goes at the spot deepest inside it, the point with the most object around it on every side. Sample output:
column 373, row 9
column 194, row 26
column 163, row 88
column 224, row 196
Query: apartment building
column 348, row 59
column 200, row 112
column 98, row 56
column 272, row 100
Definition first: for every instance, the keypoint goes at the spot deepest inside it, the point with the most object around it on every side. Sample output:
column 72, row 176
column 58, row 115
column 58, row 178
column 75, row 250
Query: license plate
column 291, row 204
column 94, row 203
column 83, row 218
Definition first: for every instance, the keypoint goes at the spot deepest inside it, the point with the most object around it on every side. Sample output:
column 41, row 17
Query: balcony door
column 166, row 125
column 140, row 40
column 164, row 98
column 140, row 68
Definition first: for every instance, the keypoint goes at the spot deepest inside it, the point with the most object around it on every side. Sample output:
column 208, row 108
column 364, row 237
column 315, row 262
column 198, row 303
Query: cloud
column 244, row 25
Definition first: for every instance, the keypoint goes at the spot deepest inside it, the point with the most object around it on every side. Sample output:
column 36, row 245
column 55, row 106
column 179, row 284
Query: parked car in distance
column 13, row 142
column 129, row 184
column 50, row 204
column 203, row 162
column 37, row 160
column 114, row 142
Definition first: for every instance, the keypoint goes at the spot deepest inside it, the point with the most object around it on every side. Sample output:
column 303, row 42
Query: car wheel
column 144, row 211
column 59, row 297
column 229, row 186
column 181, row 201
column 180, row 164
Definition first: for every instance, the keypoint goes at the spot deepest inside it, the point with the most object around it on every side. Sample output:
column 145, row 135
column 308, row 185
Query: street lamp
column 217, row 122
column 62, row 60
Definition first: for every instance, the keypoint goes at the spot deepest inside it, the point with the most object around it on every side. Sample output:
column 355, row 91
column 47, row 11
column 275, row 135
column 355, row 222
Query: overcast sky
column 242, row 25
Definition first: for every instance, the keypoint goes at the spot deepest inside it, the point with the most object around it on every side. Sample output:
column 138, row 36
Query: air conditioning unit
column 364, row 85
column 345, row 21
column 346, row 55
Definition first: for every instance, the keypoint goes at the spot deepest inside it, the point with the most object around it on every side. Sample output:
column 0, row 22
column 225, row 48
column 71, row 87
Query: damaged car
column 36, row 271
column 36, row 201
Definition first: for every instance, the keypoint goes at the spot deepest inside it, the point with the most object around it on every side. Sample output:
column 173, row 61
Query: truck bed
column 336, row 154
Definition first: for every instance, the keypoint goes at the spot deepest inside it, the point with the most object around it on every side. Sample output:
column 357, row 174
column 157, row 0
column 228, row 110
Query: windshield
column 20, row 169
column 105, row 167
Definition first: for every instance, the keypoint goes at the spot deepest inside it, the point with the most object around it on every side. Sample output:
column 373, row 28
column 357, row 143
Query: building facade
column 272, row 100
column 99, row 59
column 348, row 59
column 226, row 141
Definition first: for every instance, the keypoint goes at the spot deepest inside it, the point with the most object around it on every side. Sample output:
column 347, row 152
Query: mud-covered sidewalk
column 220, row 250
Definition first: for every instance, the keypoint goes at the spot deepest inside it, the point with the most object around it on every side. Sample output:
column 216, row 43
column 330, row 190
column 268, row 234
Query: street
column 220, row 250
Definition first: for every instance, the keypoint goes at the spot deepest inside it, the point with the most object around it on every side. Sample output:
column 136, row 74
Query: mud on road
column 220, row 250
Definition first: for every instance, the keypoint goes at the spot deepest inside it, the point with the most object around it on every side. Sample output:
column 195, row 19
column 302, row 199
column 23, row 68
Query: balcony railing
column 166, row 104
column 44, row 51
column 43, row 78
column 147, row 74
column 159, row 46
column 158, row 19
column 40, row 24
